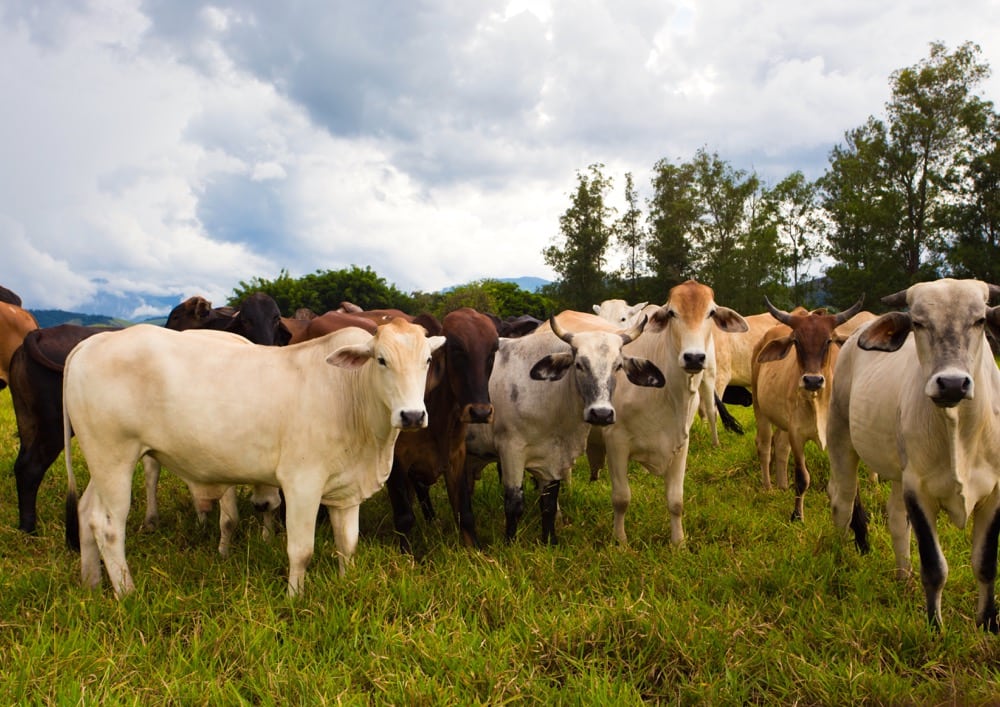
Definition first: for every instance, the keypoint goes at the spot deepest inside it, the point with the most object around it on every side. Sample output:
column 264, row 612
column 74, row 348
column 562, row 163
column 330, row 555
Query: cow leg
column 621, row 492
column 843, row 485
column 151, row 477
column 899, row 529
column 706, row 406
column 985, row 532
column 403, row 519
column 548, row 502
column 90, row 556
column 779, row 458
column 423, row 492
column 802, row 480
column 107, row 514
column 229, row 516
column 345, row 534
column 595, row 453
column 674, row 484
column 266, row 500
column 764, row 435
column 933, row 565
column 512, row 474
column 37, row 452
column 460, row 488
column 301, row 509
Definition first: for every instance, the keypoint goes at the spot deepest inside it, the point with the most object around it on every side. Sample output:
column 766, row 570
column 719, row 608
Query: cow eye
column 381, row 361
column 980, row 322
column 916, row 325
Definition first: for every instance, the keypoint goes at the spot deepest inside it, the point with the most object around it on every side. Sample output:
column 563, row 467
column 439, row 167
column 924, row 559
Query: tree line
column 913, row 195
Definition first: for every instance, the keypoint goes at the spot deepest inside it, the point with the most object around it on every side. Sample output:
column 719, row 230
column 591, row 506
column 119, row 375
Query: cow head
column 595, row 358
column 258, row 319
column 948, row 319
column 620, row 312
column 470, row 347
column 689, row 317
column 812, row 335
column 400, row 354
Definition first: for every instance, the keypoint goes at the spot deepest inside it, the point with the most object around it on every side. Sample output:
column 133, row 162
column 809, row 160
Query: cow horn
column 633, row 333
column 783, row 317
column 848, row 313
column 994, row 290
column 559, row 331
column 897, row 299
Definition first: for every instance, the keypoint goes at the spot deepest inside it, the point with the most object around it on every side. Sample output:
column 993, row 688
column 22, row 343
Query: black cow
column 257, row 319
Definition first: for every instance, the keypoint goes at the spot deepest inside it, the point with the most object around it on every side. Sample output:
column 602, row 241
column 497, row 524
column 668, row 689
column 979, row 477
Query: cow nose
column 694, row 361
column 951, row 390
column 477, row 414
column 812, row 383
column 412, row 419
column 600, row 416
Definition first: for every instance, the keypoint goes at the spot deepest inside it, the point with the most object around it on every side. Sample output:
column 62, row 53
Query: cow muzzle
column 601, row 416
column 693, row 361
column 477, row 413
column 813, row 383
column 946, row 390
column 412, row 419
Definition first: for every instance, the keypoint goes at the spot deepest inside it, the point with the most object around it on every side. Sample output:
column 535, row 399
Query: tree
column 897, row 179
column 799, row 223
column 326, row 289
column 578, row 254
column 631, row 237
column 673, row 211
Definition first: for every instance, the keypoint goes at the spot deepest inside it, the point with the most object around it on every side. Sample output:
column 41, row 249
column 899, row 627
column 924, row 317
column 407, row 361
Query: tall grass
column 752, row 609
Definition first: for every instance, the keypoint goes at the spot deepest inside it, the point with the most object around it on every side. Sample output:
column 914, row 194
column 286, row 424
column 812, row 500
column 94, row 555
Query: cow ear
column 993, row 321
column 775, row 350
column 435, row 342
column 428, row 322
column 436, row 371
column 643, row 372
column 887, row 333
column 351, row 357
column 659, row 320
column 597, row 308
column 552, row 367
column 729, row 320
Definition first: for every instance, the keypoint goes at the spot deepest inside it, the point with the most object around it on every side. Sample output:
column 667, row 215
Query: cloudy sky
column 157, row 149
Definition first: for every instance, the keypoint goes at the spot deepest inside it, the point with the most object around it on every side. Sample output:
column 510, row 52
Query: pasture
column 752, row 609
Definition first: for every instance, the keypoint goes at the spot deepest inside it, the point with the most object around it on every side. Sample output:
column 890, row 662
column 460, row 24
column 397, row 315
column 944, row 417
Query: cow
column 916, row 396
column 36, row 392
column 654, row 424
column 15, row 323
column 620, row 312
column 9, row 296
column 328, row 323
column 547, row 389
column 325, row 417
column 257, row 319
column 456, row 398
column 792, row 393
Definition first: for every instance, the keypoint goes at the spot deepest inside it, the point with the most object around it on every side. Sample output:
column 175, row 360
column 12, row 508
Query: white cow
column 547, row 389
column 654, row 423
column 916, row 396
column 319, row 420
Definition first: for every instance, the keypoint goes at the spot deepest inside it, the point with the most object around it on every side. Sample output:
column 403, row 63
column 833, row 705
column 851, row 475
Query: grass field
column 752, row 609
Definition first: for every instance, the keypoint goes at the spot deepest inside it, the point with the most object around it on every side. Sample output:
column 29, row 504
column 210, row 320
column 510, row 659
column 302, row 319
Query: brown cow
column 457, row 396
column 15, row 323
column 792, row 393
column 327, row 323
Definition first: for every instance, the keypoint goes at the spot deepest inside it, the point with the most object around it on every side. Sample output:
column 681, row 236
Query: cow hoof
column 796, row 516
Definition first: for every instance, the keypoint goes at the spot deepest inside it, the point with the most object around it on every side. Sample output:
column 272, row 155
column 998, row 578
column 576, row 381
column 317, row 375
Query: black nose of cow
column 412, row 419
column 601, row 416
column 813, row 383
column 951, row 390
column 477, row 414
column 694, row 361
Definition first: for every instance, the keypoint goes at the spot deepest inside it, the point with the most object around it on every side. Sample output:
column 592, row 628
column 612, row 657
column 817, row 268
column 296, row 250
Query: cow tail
column 728, row 421
column 72, row 512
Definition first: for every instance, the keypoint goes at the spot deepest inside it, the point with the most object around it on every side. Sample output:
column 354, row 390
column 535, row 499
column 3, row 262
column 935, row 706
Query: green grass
column 752, row 609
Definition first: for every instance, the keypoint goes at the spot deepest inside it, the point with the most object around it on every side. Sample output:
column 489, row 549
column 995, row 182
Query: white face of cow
column 619, row 312
column 948, row 320
column 400, row 354
column 595, row 359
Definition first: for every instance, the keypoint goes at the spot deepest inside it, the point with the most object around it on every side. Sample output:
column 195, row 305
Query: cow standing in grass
column 319, row 420
column 917, row 398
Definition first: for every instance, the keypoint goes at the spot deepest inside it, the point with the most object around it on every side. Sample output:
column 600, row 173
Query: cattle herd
column 323, row 411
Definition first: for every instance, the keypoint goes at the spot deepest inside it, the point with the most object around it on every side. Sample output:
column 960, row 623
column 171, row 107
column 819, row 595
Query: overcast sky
column 176, row 147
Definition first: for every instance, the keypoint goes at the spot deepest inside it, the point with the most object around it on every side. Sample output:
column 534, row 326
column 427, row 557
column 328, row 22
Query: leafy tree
column 673, row 212
column 504, row 299
column 975, row 219
column 897, row 179
column 631, row 237
column 326, row 289
column 799, row 224
column 578, row 254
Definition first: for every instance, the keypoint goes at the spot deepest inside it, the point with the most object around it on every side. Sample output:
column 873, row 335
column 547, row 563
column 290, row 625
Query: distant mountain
column 53, row 317
column 529, row 284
